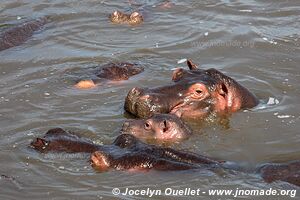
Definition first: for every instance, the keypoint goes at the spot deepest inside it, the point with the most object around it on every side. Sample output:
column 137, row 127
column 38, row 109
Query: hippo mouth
column 190, row 109
column 182, row 109
column 177, row 110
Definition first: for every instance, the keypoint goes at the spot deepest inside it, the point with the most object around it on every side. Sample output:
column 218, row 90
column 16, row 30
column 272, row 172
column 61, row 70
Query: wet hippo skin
column 138, row 16
column 19, row 34
column 129, row 153
column 288, row 172
column 160, row 127
column 134, row 18
column 195, row 93
column 111, row 72
column 59, row 140
column 126, row 152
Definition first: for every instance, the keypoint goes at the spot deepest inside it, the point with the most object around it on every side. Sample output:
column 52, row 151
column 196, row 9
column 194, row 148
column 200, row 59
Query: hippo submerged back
column 19, row 34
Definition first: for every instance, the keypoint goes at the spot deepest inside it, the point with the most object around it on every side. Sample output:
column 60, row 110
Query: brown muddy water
column 255, row 42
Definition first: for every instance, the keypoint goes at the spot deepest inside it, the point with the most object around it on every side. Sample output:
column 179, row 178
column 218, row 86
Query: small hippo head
column 195, row 93
column 119, row 17
column 120, row 71
column 160, row 127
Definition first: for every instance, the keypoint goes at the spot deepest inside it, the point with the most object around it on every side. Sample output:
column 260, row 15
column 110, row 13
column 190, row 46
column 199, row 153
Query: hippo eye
column 147, row 126
column 199, row 91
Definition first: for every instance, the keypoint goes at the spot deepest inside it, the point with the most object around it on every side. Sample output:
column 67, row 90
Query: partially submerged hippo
column 134, row 18
column 288, row 172
column 195, row 93
column 160, row 127
column 129, row 153
column 111, row 72
column 126, row 152
column 17, row 35
column 59, row 140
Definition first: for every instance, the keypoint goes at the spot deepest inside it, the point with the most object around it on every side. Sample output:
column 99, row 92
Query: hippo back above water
column 110, row 72
column 195, row 93
column 126, row 153
column 17, row 35
column 129, row 153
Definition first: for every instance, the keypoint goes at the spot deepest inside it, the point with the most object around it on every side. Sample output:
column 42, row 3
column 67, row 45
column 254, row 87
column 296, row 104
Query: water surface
column 255, row 42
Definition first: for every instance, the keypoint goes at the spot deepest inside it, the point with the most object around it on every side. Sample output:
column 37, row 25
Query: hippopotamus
column 194, row 93
column 129, row 153
column 288, row 172
column 134, row 18
column 159, row 127
column 17, row 35
column 125, row 153
column 111, row 72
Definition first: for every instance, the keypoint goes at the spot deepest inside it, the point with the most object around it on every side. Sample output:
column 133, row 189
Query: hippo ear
column 177, row 74
column 191, row 65
column 134, row 14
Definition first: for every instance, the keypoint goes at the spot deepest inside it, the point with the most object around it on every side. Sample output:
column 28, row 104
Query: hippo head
column 195, row 93
column 160, row 127
column 118, row 17
column 119, row 71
